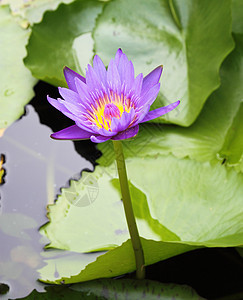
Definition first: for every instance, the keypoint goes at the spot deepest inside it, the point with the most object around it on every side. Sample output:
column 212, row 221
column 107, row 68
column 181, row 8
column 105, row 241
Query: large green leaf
column 118, row 289
column 115, row 262
column 16, row 84
column 171, row 185
column 136, row 289
column 31, row 11
column 215, row 136
column 200, row 203
column 237, row 12
column 60, row 263
column 62, row 38
column 93, row 204
column 190, row 38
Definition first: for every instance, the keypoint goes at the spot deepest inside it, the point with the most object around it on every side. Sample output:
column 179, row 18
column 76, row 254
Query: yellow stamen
column 97, row 115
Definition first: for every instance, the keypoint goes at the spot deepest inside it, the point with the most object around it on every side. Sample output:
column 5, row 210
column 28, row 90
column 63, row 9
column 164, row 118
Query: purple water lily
column 108, row 104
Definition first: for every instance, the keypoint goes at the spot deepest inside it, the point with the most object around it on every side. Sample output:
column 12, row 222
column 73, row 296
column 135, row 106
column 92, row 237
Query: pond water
column 35, row 167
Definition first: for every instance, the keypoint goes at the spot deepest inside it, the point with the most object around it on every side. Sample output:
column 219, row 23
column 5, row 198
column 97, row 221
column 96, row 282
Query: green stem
column 131, row 222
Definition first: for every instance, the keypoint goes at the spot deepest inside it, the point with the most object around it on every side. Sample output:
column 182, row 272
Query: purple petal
column 138, row 84
column 129, row 79
column 72, row 133
column 126, row 134
column 142, row 114
column 104, row 132
column 75, row 109
column 99, row 69
column 92, row 80
column 151, row 79
column 86, row 125
column 113, row 77
column 99, row 138
column 160, row 111
column 126, row 72
column 150, row 96
column 118, row 56
column 58, row 104
column 69, row 76
column 69, row 95
column 82, row 90
column 121, row 124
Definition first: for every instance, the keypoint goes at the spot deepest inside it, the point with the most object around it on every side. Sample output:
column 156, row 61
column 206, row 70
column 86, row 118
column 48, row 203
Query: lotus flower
column 108, row 104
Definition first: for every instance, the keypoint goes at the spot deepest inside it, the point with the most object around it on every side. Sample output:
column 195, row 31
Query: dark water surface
column 36, row 167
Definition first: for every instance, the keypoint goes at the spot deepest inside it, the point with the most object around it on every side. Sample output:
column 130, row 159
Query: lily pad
column 118, row 289
column 16, row 84
column 189, row 38
column 216, row 136
column 237, row 11
column 62, row 39
column 31, row 11
column 136, row 289
column 119, row 261
column 197, row 202
column 59, row 263
column 87, row 204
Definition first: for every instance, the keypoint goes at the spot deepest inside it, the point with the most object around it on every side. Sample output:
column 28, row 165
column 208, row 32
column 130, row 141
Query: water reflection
column 36, row 167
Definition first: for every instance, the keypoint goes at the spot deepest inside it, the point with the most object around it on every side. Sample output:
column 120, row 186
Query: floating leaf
column 232, row 150
column 217, row 133
column 62, row 38
column 174, row 190
column 190, row 38
column 60, row 263
column 95, row 201
column 199, row 203
column 16, row 84
column 120, row 261
column 118, row 289
column 136, row 289
column 31, row 11
column 237, row 11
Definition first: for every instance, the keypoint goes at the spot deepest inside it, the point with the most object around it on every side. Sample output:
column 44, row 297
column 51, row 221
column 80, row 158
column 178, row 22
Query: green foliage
column 63, row 38
column 115, row 262
column 31, row 11
column 216, row 134
column 145, row 289
column 187, row 37
column 198, row 203
column 117, row 289
column 16, row 80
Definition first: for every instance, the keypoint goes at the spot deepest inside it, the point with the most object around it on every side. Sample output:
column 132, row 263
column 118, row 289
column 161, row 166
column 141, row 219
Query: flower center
column 107, row 108
column 110, row 111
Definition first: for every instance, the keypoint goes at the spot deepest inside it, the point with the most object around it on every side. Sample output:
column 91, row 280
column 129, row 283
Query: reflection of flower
column 108, row 104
